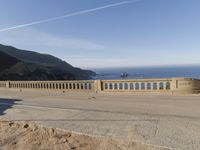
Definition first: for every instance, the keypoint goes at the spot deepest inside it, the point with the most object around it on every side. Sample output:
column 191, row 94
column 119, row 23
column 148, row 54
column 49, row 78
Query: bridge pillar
column 97, row 86
column 7, row 84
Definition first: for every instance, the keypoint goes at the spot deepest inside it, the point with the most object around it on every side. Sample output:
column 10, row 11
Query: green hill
column 16, row 64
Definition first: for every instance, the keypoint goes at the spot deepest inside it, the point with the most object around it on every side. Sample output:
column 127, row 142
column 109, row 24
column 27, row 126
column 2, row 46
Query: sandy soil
column 29, row 136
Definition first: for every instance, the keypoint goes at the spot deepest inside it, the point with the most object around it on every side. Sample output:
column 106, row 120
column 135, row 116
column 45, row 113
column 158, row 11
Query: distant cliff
column 16, row 64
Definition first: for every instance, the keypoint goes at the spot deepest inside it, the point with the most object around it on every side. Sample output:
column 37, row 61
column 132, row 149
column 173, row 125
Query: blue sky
column 142, row 33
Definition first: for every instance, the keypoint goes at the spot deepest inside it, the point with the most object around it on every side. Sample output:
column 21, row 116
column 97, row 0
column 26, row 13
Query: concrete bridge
column 166, row 85
column 165, row 120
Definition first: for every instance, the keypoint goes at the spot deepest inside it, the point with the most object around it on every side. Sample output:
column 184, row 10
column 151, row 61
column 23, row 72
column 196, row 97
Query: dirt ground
column 29, row 136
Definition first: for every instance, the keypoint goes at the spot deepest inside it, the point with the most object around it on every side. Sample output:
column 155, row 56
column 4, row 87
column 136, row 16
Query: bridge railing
column 53, row 85
column 168, row 85
column 2, row 84
column 137, row 85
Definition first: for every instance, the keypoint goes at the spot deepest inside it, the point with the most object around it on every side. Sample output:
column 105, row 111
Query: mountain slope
column 6, row 61
column 19, row 64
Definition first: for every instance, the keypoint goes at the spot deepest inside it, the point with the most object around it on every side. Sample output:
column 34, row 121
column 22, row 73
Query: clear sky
column 142, row 33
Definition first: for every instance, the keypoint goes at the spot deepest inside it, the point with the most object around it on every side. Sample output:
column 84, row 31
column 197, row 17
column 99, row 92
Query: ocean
column 149, row 72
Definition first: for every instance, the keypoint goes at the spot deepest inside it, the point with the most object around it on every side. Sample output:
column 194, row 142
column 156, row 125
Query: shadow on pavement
column 7, row 104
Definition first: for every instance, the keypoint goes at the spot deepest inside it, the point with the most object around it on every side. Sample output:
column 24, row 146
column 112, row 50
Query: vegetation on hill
column 16, row 64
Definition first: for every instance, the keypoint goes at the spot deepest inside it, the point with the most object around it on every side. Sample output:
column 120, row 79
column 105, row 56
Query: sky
column 139, row 33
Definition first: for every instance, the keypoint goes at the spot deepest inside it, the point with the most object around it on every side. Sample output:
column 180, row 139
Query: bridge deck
column 172, row 121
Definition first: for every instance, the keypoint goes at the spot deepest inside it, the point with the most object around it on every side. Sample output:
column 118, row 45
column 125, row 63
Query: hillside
column 7, row 61
column 16, row 64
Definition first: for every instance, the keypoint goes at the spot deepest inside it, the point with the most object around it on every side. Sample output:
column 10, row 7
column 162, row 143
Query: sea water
column 149, row 72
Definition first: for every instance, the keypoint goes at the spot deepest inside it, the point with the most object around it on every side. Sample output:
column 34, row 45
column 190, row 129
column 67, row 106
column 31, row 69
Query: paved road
column 171, row 121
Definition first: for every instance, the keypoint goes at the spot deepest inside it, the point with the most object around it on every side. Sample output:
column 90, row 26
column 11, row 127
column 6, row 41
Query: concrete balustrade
column 2, row 84
column 171, row 85
column 49, row 85
column 137, row 85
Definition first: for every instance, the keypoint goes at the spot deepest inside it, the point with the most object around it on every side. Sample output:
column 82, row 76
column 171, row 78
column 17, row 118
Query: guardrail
column 168, row 85
column 3, row 84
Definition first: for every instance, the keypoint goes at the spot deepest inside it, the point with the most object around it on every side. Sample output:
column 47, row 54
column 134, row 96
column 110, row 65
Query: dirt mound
column 29, row 136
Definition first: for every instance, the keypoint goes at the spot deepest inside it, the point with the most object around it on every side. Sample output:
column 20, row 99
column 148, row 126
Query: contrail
column 69, row 15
